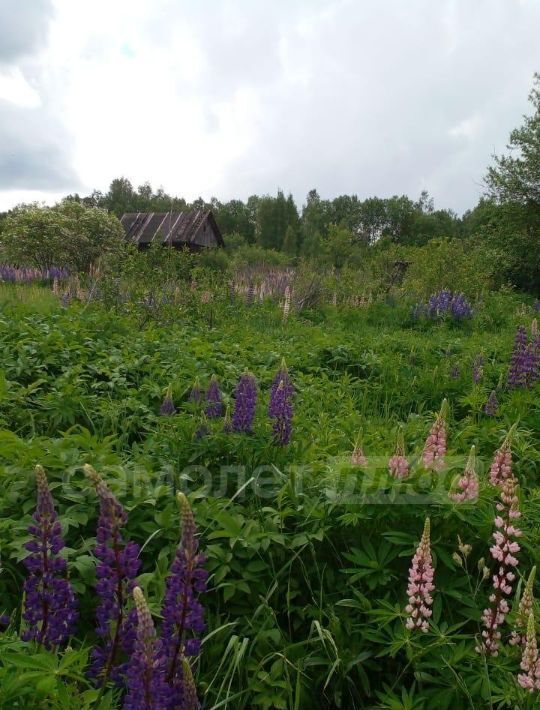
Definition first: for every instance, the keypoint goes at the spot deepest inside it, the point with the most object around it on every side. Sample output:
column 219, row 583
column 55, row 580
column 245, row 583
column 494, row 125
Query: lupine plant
column 50, row 607
column 245, row 400
column 398, row 465
column 435, row 446
column 280, row 408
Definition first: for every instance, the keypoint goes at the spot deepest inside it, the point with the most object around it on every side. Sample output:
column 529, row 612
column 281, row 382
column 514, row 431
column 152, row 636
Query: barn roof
column 174, row 228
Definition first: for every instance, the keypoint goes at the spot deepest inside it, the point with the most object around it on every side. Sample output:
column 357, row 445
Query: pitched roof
column 144, row 228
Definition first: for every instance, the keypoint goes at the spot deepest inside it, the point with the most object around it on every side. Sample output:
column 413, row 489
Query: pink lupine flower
column 435, row 446
column 504, row 552
column 530, row 680
column 420, row 585
column 468, row 483
column 357, row 456
column 519, row 634
column 501, row 467
column 398, row 464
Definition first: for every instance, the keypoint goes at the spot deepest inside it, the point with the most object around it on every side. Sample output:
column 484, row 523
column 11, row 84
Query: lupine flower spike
column 147, row 688
column 245, row 400
column 191, row 701
column 398, row 465
column 530, row 680
column 286, row 304
column 503, row 552
column 420, row 585
column 50, row 607
column 520, row 360
column 227, row 423
column 501, row 466
column 435, row 446
column 214, row 405
column 167, row 406
column 116, row 570
column 357, row 457
column 183, row 621
column 519, row 634
column 468, row 483
column 492, row 405
column 195, row 396
column 280, row 408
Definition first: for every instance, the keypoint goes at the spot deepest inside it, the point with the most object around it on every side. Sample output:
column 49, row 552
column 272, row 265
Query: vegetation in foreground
column 309, row 545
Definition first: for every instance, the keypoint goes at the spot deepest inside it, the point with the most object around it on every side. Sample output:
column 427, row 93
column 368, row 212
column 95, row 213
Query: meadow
column 307, row 543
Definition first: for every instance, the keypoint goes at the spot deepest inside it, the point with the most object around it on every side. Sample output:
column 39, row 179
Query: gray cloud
column 34, row 143
column 34, row 150
column 24, row 27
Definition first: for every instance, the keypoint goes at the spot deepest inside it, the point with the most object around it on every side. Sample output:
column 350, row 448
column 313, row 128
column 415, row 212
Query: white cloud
column 232, row 98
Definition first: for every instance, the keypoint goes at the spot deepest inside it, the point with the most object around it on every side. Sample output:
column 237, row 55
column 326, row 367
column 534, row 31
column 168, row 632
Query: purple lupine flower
column 492, row 405
column 446, row 303
column 147, row 688
column 116, row 570
column 517, row 370
column 477, row 368
column 167, row 406
column 50, row 607
column 195, row 396
column 280, row 408
column 202, row 430
column 4, row 620
column 214, row 405
column 245, row 400
column 183, row 614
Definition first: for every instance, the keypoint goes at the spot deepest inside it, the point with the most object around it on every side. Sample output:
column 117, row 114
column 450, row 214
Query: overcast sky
column 236, row 97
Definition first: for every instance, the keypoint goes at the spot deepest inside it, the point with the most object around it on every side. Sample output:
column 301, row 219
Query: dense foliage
column 308, row 537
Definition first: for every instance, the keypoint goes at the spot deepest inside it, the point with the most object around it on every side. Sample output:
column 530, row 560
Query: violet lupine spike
column 50, row 606
column 195, row 396
column 454, row 372
column 183, row 614
column 503, row 552
column 398, row 466
column 517, row 372
column 492, row 404
column 167, row 406
column 214, row 404
column 147, row 688
column 117, row 567
column 518, row 636
column 280, row 408
column 501, row 466
column 530, row 679
column 468, row 483
column 245, row 400
column 421, row 585
column 435, row 446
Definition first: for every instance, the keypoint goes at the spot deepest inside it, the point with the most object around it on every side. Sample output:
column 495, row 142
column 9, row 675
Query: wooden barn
column 194, row 230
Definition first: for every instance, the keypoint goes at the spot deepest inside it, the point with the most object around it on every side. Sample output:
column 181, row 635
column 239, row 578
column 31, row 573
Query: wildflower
column 287, row 304
column 214, row 405
column 464, row 548
column 398, row 464
column 501, row 466
column 191, row 701
column 477, row 368
column 280, row 408
column 50, row 607
column 202, row 430
column 503, row 552
column 183, row 614
column 420, row 584
column 518, row 636
column 517, row 373
column 167, row 406
column 468, row 483
column 227, row 423
column 357, row 456
column 530, row 680
column 195, row 396
column 435, row 446
column 146, row 685
column 245, row 399
column 454, row 372
column 4, row 620
column 492, row 405
column 117, row 567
